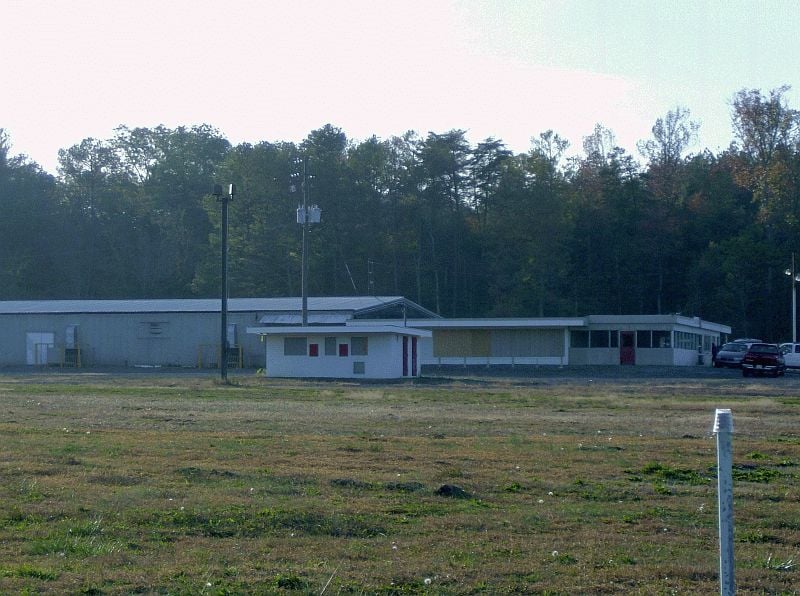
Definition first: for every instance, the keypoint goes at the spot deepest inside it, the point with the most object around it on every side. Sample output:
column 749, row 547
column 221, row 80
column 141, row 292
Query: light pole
column 223, row 344
column 305, row 215
column 795, row 278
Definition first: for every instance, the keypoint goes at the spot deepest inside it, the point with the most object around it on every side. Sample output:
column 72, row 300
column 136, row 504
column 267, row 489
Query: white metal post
column 723, row 428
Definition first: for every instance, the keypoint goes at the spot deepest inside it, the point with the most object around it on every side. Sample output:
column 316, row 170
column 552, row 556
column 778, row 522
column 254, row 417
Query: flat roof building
column 671, row 340
column 262, row 331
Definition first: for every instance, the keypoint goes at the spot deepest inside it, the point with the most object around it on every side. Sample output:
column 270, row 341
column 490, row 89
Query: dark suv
column 763, row 359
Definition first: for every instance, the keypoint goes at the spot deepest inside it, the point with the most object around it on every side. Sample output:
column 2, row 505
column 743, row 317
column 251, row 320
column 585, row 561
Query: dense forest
column 464, row 230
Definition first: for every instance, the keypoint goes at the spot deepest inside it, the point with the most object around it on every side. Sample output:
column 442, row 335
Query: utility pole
column 305, row 215
column 223, row 344
column 795, row 278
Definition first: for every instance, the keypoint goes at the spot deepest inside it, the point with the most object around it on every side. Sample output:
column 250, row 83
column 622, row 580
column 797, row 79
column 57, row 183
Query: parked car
column 763, row 359
column 791, row 354
column 731, row 354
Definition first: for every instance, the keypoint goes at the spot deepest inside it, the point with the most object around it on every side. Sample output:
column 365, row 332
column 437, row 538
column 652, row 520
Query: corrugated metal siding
column 126, row 339
column 527, row 342
column 342, row 303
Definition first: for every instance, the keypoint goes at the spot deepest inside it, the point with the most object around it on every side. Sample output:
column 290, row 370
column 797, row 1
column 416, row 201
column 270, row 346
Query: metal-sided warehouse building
column 266, row 333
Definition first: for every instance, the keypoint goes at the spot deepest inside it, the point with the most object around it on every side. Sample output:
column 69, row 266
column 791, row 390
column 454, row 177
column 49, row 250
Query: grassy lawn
column 180, row 485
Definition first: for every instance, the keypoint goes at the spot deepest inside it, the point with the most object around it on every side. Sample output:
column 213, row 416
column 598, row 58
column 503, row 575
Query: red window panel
column 344, row 349
column 313, row 349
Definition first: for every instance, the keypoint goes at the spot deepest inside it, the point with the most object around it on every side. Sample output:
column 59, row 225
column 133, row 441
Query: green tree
column 31, row 229
column 171, row 170
column 264, row 254
column 607, row 269
column 443, row 166
column 489, row 160
column 96, row 255
column 767, row 134
column 672, row 136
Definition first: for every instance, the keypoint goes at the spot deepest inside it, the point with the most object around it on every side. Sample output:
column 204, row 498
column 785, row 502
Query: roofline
column 195, row 305
column 663, row 319
column 482, row 323
column 340, row 330
column 563, row 322
column 398, row 300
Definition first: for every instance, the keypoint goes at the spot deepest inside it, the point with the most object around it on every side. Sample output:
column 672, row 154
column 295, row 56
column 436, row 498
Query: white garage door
column 38, row 346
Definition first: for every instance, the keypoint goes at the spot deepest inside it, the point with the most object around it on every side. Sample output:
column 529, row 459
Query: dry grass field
column 160, row 484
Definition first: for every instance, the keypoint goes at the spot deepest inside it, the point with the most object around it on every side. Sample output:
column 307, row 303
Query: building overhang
column 296, row 319
column 491, row 323
column 340, row 330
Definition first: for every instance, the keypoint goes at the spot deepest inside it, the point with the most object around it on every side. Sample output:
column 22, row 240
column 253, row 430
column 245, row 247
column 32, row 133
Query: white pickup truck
column 791, row 354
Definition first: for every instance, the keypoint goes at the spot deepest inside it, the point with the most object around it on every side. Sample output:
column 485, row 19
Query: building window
column 344, row 349
column 599, row 339
column 614, row 338
column 687, row 341
column 358, row 346
column 359, row 368
column 330, row 346
column 662, row 339
column 294, row 346
column 579, row 339
column 313, row 350
column 644, row 339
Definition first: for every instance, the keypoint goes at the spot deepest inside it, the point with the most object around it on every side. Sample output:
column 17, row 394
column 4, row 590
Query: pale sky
column 275, row 71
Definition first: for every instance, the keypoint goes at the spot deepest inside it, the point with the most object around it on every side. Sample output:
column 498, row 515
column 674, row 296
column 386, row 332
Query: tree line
column 463, row 229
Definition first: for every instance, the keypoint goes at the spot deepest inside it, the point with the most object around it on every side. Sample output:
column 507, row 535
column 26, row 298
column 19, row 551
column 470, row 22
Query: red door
column 413, row 356
column 627, row 347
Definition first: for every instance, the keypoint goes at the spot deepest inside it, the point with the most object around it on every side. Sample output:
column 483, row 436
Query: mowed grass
column 184, row 486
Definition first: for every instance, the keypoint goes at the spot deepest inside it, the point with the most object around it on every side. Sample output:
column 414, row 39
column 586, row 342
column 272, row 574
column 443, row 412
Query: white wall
column 383, row 360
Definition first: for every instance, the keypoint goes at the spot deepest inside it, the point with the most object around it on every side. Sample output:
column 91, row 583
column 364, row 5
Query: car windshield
column 734, row 347
column 764, row 349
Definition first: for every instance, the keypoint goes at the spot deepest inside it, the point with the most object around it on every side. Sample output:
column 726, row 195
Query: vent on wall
column 153, row 329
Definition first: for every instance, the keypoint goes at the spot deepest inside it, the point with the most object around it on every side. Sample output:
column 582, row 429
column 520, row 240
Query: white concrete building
column 358, row 352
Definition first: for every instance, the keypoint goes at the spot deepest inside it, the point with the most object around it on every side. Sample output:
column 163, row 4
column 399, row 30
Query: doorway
column 405, row 355
column 37, row 347
column 627, row 347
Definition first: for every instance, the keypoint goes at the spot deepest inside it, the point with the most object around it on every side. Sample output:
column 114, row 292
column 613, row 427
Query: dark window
column 643, row 339
column 579, row 339
column 330, row 346
column 294, row 346
column 359, row 368
column 599, row 339
column 661, row 339
column 313, row 349
column 343, row 349
column 358, row 346
column 614, row 338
